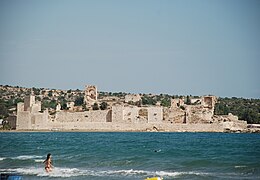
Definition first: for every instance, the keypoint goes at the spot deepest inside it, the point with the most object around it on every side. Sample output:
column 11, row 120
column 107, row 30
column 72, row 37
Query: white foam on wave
column 240, row 166
column 39, row 160
column 72, row 172
column 128, row 172
column 174, row 174
column 26, row 157
column 1, row 159
column 57, row 172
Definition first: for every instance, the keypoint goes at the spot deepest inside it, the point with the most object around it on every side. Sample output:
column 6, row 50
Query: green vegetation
column 148, row 100
column 95, row 107
column 36, row 91
column 245, row 109
column 103, row 106
column 3, row 111
column 79, row 101
column 118, row 94
column 166, row 102
column 7, row 104
column 163, row 99
column 49, row 104
column 6, row 126
column 50, row 93
column 182, row 107
column 64, row 106
column 188, row 100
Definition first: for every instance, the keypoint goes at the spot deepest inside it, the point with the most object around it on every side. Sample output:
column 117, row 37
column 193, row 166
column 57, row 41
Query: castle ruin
column 91, row 94
column 127, row 117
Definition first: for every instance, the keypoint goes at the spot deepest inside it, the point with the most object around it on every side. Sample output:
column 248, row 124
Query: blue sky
column 184, row 47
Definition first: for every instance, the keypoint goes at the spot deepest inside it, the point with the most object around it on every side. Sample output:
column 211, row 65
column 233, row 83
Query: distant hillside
column 246, row 109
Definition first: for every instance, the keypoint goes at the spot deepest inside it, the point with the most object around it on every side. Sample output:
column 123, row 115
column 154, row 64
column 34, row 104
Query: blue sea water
column 117, row 156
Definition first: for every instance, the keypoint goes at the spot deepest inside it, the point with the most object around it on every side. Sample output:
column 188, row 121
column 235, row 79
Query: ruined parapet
column 198, row 114
column 230, row 122
column 132, row 98
column 176, row 103
column 209, row 101
column 174, row 115
column 226, row 118
column 202, row 112
column 91, row 94
column 134, row 114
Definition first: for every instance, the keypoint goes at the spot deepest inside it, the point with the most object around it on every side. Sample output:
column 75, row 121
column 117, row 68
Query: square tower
column 91, row 94
column 28, row 102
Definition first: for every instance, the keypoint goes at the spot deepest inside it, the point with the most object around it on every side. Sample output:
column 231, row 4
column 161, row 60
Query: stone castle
column 125, row 117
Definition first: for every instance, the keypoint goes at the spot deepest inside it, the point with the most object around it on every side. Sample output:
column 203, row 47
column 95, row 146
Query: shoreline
column 247, row 131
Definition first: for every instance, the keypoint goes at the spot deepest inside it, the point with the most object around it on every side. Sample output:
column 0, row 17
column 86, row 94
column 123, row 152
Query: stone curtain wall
column 86, row 116
column 193, row 118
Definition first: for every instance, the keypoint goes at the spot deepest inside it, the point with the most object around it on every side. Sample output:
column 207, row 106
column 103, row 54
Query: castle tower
column 91, row 94
column 28, row 102
column 209, row 101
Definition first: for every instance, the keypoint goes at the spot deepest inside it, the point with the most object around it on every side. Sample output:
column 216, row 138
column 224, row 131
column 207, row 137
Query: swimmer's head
column 48, row 155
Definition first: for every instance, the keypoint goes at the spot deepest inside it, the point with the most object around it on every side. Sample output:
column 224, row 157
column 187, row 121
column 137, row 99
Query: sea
column 130, row 155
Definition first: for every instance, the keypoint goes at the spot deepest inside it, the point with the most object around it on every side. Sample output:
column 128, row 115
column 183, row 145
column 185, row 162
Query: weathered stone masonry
column 125, row 117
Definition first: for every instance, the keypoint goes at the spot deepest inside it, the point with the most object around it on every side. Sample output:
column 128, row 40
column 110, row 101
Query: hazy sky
column 183, row 47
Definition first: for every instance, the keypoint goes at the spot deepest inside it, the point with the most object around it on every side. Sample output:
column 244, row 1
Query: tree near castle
column 79, row 101
column 95, row 106
column 103, row 106
column 245, row 109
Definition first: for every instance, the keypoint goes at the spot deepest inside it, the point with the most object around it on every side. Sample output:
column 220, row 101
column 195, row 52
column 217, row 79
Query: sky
column 177, row 47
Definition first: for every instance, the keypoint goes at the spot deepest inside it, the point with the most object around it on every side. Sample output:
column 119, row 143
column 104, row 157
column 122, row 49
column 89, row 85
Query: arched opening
column 109, row 116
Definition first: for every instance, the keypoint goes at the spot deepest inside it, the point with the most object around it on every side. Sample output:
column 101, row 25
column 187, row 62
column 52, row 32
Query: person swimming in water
column 48, row 165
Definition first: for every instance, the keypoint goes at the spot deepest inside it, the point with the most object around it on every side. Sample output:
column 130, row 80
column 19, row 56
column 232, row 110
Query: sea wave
column 26, row 157
column 242, row 166
column 1, row 159
column 39, row 160
column 72, row 172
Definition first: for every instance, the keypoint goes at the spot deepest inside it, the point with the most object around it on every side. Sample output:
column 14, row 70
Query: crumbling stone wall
column 86, row 116
column 131, row 118
column 155, row 114
column 23, row 120
column 117, row 113
column 130, row 114
column 132, row 98
column 198, row 114
column 177, row 116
